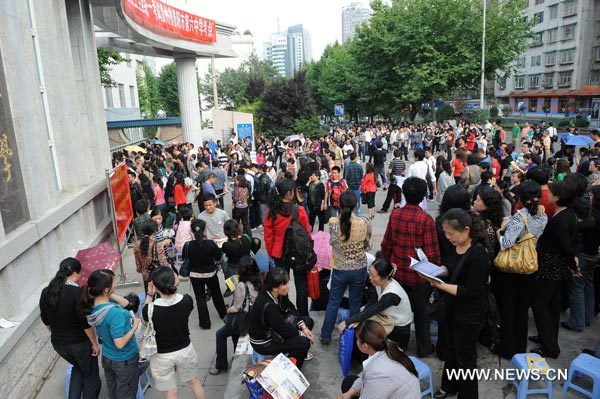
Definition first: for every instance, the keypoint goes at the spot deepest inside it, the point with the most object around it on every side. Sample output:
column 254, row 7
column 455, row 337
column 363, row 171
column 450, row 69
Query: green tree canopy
column 167, row 89
column 106, row 59
column 148, row 93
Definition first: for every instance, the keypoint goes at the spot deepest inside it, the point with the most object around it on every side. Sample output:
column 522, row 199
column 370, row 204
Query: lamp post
column 482, row 89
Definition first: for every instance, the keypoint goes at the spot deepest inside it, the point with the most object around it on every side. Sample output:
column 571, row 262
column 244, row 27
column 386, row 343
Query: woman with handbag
column 236, row 247
column 275, row 325
column 175, row 356
column 204, row 255
column 513, row 289
column 236, row 320
column 149, row 253
column 466, row 299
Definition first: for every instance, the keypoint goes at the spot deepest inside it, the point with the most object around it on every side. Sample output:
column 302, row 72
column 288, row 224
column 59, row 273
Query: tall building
column 122, row 102
column 276, row 51
column 299, row 48
column 353, row 16
column 559, row 72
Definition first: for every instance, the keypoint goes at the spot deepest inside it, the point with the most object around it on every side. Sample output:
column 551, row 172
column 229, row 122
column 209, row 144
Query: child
column 368, row 188
column 333, row 190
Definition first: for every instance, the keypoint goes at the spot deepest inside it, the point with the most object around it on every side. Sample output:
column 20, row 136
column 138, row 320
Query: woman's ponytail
column 348, row 202
column 394, row 353
column 53, row 293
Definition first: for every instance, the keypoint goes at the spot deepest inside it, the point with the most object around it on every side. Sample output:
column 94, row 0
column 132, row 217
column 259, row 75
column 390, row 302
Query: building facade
column 559, row 72
column 299, row 48
column 276, row 51
column 353, row 16
column 121, row 102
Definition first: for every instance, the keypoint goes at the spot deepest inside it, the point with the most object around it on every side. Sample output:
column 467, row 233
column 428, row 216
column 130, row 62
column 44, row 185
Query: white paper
column 243, row 346
column 282, row 379
column 427, row 269
column 5, row 323
column 421, row 255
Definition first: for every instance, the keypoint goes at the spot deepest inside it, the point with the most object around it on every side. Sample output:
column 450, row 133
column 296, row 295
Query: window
column 551, row 58
column 552, row 35
column 567, row 56
column 539, row 2
column 562, row 104
column 519, row 82
column 553, row 11
column 595, row 77
column 597, row 53
column 132, row 95
column 532, row 104
column 536, row 60
column 501, row 80
column 597, row 28
column 109, row 97
column 537, row 39
column 548, row 81
column 547, row 104
column 521, row 62
column 568, row 31
column 569, row 8
column 534, row 81
column 564, row 78
column 122, row 103
column 538, row 17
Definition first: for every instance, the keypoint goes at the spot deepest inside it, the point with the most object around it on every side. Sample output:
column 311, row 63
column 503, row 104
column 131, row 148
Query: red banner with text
column 166, row 20
column 119, row 184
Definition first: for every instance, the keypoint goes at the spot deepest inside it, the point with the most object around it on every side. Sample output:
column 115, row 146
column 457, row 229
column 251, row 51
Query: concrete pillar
column 189, row 104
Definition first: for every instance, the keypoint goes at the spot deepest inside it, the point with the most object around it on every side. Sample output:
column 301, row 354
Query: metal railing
column 120, row 147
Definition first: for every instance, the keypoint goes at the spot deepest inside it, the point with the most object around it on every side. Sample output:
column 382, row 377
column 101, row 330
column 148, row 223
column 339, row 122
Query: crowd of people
column 498, row 194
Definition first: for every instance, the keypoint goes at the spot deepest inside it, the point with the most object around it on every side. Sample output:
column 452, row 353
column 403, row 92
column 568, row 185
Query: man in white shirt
column 423, row 170
column 553, row 134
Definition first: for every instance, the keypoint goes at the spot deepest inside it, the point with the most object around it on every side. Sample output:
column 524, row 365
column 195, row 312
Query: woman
column 244, row 296
column 159, row 193
column 556, row 257
column 116, row 328
column 512, row 290
column 241, row 200
column 471, row 175
column 236, row 247
column 149, row 252
column 594, row 176
column 391, row 301
column 71, row 337
column 204, row 259
column 277, row 220
column 176, row 357
column 368, row 188
column 387, row 374
column 458, row 165
column 147, row 188
column 180, row 190
column 275, row 325
column 468, row 308
column 488, row 205
column 508, row 202
column 444, row 180
column 350, row 239
column 581, row 288
column 562, row 169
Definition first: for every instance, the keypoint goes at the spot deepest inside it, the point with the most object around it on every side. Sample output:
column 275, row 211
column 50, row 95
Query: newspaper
column 282, row 379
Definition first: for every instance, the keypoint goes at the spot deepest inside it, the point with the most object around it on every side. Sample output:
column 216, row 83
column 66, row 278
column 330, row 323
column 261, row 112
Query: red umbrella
column 101, row 256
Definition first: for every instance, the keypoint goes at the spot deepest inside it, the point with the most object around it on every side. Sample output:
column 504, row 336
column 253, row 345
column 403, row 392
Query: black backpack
column 262, row 188
column 298, row 247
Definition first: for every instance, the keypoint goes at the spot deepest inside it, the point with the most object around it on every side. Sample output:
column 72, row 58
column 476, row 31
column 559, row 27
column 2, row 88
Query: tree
column 247, row 32
column 167, row 89
column 147, row 91
column 106, row 59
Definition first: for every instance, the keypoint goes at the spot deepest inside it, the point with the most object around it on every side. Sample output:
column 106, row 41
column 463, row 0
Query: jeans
column 581, row 293
column 85, row 377
column 222, row 334
column 121, row 377
column 354, row 280
column 357, row 192
column 263, row 211
column 380, row 171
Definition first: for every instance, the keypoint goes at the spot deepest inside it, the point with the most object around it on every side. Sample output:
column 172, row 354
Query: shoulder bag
column 149, row 347
column 522, row 257
column 184, row 270
column 239, row 322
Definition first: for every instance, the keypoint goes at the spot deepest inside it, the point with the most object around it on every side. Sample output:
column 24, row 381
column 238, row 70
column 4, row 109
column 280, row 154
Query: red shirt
column 458, row 167
column 368, row 184
column 496, row 168
column 409, row 228
column 471, row 142
column 179, row 194
column 274, row 231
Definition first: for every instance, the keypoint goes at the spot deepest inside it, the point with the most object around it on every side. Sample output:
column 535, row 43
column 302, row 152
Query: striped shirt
column 398, row 167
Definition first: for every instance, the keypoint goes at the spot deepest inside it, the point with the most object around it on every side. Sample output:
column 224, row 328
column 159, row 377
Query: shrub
column 445, row 113
column 582, row 123
column 565, row 122
column 310, row 126
column 494, row 112
column 480, row 115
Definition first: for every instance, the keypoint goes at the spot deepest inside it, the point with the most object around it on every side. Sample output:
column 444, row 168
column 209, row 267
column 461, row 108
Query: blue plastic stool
column 519, row 361
column 144, row 383
column 424, row 373
column 68, row 379
column 257, row 357
column 342, row 314
column 346, row 347
column 589, row 366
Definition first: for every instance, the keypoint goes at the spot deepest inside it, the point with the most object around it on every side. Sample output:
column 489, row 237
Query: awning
column 593, row 90
column 174, row 121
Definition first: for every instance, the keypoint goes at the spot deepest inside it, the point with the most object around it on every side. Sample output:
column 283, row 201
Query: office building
column 559, row 72
column 353, row 16
column 299, row 48
column 276, row 51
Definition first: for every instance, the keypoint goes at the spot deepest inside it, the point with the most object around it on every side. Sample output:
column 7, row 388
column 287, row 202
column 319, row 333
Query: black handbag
column 439, row 301
column 155, row 263
column 239, row 322
column 184, row 270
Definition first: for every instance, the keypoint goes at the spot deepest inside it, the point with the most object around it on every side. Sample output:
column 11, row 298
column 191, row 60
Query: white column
column 189, row 104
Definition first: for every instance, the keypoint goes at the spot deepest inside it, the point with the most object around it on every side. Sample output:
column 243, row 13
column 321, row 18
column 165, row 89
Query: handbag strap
column 150, row 313
column 154, row 252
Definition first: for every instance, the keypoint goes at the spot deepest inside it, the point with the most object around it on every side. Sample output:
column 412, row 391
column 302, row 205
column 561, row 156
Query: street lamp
column 481, row 99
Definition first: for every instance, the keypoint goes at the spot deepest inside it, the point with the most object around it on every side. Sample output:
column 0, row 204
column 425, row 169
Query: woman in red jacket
column 180, row 190
column 368, row 188
column 277, row 220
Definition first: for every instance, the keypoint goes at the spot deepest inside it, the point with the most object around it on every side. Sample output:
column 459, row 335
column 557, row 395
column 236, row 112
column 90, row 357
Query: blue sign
column 338, row 109
column 244, row 131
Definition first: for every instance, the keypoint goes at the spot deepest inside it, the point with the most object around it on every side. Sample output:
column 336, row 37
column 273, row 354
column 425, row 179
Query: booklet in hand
column 426, row 268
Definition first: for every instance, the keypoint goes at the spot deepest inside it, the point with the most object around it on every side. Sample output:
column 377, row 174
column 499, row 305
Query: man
column 431, row 182
column 423, row 170
column 397, row 169
column 378, row 158
column 552, row 132
column 262, row 191
column 214, row 217
column 135, row 190
column 254, row 211
column 353, row 174
column 221, row 181
column 516, row 131
column 334, row 188
column 409, row 228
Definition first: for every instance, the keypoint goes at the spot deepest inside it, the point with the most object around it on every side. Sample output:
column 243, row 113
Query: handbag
column 439, row 301
column 313, row 284
column 184, row 270
column 239, row 322
column 522, row 257
column 154, row 263
column 148, row 347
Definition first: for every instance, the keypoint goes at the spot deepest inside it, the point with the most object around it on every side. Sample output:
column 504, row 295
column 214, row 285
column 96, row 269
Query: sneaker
column 535, row 339
column 382, row 211
column 216, row 371
column 567, row 326
column 309, row 356
column 324, row 341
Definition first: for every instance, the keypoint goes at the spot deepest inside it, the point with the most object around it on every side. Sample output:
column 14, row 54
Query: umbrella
column 158, row 141
column 577, row 140
column 174, row 142
column 135, row 148
column 101, row 256
column 294, row 137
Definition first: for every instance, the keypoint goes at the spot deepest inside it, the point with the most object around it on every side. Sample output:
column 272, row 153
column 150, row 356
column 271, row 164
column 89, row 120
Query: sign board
column 595, row 109
column 244, row 131
column 119, row 185
column 338, row 109
column 166, row 20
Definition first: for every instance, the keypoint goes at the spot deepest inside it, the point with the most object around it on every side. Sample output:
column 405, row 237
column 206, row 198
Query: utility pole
column 481, row 94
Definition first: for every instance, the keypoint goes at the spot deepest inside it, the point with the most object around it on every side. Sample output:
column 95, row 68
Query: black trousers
column 313, row 214
column 461, row 353
column 255, row 219
column 200, row 285
column 296, row 347
column 545, row 303
column 513, row 294
column 418, row 295
column 394, row 193
column 241, row 215
column 404, row 151
column 220, row 200
column 85, row 375
column 300, row 282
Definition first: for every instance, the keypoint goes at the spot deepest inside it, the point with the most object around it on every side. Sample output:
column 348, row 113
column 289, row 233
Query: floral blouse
column 350, row 254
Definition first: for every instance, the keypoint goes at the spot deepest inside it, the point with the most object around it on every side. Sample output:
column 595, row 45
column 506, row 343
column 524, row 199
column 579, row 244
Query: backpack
column 262, row 188
column 298, row 247
column 335, row 188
